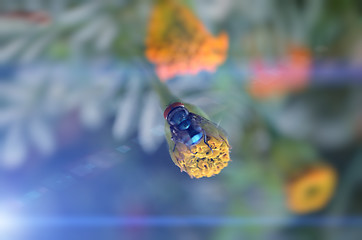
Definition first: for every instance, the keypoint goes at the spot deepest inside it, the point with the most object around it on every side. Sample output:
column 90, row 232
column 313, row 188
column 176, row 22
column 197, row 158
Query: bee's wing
column 209, row 127
column 171, row 143
column 168, row 134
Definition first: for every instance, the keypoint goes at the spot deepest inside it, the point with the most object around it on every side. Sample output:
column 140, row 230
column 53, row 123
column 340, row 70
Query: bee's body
column 184, row 126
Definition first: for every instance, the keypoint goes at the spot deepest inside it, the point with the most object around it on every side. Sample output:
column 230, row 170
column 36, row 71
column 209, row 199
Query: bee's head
column 176, row 113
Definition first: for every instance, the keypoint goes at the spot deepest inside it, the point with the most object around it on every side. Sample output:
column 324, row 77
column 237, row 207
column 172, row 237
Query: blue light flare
column 187, row 221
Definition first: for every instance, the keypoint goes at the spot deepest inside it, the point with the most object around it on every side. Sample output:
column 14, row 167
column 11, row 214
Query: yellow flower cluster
column 200, row 161
column 312, row 189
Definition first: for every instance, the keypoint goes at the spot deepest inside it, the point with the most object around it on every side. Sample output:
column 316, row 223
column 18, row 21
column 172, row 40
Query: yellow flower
column 312, row 189
column 205, row 158
column 178, row 43
column 203, row 162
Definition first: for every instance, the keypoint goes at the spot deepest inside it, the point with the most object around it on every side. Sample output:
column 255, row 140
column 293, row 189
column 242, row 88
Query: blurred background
column 82, row 147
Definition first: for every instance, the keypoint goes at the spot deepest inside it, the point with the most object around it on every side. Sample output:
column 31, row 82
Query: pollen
column 202, row 160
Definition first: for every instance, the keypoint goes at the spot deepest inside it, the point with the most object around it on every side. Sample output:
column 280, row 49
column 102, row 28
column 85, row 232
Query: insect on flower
column 196, row 145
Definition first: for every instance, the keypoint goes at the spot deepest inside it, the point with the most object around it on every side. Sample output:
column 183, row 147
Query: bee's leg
column 206, row 141
column 190, row 150
column 174, row 146
column 225, row 142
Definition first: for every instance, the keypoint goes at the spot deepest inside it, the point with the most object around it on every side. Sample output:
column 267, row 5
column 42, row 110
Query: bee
column 189, row 128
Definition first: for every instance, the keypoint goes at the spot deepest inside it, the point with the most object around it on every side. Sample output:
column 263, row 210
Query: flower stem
column 164, row 94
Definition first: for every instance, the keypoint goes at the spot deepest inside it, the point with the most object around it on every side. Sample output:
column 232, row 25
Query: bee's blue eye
column 177, row 116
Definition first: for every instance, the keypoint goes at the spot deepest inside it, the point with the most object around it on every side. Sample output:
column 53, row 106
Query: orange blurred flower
column 28, row 16
column 312, row 189
column 291, row 74
column 178, row 43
